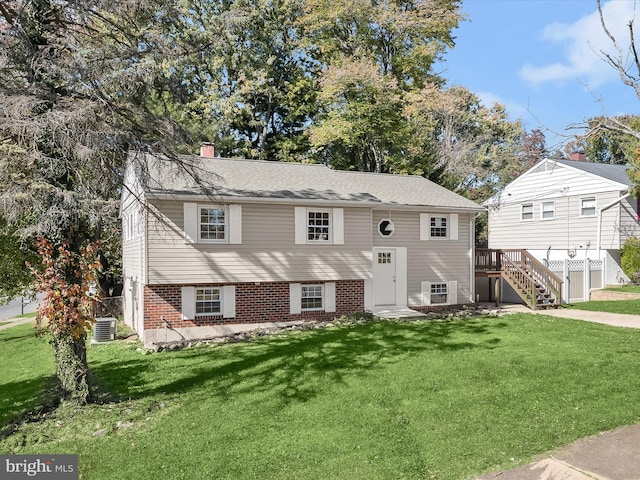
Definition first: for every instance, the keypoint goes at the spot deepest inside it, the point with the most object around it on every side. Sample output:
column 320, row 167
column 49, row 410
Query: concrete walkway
column 16, row 321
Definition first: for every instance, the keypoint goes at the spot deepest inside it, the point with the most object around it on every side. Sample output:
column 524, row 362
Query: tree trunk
column 72, row 368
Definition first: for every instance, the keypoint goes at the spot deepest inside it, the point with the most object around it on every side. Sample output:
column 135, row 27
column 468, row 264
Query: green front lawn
column 420, row 400
column 611, row 306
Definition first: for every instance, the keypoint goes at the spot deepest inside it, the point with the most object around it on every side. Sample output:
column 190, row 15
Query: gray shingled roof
column 617, row 173
column 295, row 181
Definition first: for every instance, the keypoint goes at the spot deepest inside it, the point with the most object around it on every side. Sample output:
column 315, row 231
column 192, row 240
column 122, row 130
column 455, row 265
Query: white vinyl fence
column 579, row 277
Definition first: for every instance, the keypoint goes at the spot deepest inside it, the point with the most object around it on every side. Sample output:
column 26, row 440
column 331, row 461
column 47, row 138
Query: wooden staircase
column 537, row 286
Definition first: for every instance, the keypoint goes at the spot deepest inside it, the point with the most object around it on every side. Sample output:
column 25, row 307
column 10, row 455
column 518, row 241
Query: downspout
column 472, row 249
column 606, row 207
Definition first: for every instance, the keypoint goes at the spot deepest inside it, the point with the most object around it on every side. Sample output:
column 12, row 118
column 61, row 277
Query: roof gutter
column 626, row 195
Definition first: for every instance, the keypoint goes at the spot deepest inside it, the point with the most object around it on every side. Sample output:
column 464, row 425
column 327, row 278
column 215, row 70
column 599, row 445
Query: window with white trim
column 208, row 301
column 318, row 225
column 438, row 226
column 439, row 293
column 588, row 207
column 526, row 211
column 312, row 297
column 547, row 210
column 212, row 223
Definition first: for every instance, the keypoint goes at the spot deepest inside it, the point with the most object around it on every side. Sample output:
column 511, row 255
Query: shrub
column 631, row 259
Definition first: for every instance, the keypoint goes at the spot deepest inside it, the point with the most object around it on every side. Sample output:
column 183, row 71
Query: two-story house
column 572, row 215
column 273, row 242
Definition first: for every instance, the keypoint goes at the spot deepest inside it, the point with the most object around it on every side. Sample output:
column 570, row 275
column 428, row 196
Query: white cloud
column 582, row 43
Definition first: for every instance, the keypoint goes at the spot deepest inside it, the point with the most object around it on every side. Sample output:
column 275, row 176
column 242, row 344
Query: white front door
column 384, row 276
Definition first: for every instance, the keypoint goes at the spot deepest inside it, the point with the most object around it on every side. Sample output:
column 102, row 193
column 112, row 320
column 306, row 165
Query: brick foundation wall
column 255, row 303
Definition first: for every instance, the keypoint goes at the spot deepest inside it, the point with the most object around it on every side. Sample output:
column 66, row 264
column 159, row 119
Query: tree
column 75, row 83
column 611, row 130
column 242, row 79
column 373, row 55
column 609, row 146
column 15, row 278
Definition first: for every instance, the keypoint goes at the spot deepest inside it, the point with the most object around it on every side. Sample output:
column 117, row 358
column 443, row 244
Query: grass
column 627, row 288
column 611, row 306
column 27, row 370
column 420, row 400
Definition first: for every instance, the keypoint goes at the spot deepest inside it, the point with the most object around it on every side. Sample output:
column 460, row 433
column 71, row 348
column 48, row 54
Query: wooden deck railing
column 515, row 265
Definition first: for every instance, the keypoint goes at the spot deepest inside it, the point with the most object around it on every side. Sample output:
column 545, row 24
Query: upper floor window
column 588, row 207
column 526, row 211
column 318, row 225
column 213, row 223
column 547, row 210
column 438, row 227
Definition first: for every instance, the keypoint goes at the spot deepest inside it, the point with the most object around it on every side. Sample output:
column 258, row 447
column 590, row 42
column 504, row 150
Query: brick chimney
column 207, row 150
column 578, row 156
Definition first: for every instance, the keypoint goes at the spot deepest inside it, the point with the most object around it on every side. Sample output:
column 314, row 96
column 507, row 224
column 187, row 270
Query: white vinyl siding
column 439, row 226
column 565, row 231
column 268, row 252
column 428, row 261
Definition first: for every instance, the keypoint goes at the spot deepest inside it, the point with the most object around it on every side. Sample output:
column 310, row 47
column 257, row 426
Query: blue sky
column 541, row 58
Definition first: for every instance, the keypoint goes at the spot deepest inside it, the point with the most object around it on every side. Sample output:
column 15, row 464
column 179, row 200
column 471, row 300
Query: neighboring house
column 281, row 242
column 574, row 216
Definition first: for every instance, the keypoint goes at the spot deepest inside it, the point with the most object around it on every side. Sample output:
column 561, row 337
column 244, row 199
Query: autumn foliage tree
column 67, row 280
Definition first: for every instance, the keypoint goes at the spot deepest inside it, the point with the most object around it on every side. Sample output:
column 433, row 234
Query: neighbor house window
column 438, row 227
column 213, row 223
column 439, row 293
column 588, row 207
column 526, row 211
column 548, row 210
column 318, row 225
column 312, row 297
column 208, row 301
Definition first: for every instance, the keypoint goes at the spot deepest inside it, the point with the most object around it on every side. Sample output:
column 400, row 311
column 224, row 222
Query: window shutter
column 295, row 298
column 330, row 297
column 426, row 293
column 452, row 292
column 424, row 226
column 301, row 225
column 190, row 222
column 453, row 226
column 188, row 303
column 235, row 224
column 338, row 226
column 229, row 301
